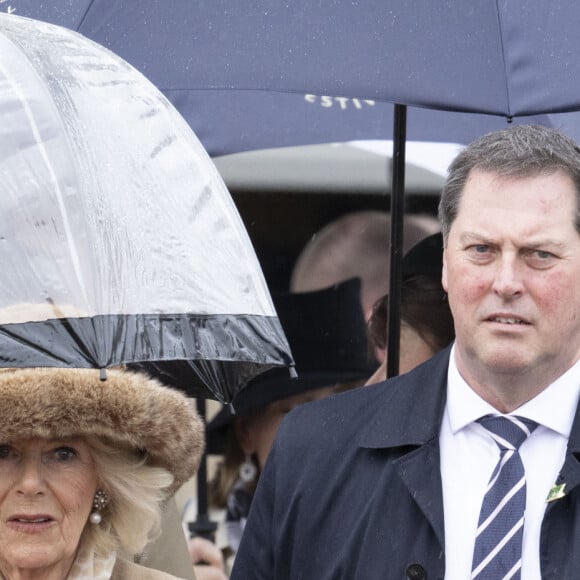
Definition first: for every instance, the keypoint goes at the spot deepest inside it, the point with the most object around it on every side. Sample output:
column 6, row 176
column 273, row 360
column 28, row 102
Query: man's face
column 512, row 272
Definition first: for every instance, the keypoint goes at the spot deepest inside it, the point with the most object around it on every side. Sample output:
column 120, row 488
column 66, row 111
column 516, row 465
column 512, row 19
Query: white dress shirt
column 469, row 455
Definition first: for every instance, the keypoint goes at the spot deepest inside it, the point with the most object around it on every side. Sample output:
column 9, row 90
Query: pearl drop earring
column 100, row 500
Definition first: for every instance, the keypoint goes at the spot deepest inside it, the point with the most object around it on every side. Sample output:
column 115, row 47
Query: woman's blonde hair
column 135, row 490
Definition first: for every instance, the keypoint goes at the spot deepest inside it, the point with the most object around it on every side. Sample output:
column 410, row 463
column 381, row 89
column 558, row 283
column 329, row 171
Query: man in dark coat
column 393, row 480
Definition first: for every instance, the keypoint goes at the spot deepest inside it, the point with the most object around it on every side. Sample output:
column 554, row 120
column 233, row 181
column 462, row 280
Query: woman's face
column 46, row 493
column 256, row 431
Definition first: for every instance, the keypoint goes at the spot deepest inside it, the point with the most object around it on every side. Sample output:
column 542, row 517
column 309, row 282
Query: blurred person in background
column 356, row 245
column 426, row 320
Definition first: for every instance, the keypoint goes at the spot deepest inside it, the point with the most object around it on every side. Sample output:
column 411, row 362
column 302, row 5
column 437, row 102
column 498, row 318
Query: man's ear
column 444, row 271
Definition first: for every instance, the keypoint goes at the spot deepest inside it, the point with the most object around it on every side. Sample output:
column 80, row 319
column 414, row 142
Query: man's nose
column 508, row 277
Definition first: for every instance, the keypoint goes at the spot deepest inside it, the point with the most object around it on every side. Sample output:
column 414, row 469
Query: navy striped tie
column 498, row 542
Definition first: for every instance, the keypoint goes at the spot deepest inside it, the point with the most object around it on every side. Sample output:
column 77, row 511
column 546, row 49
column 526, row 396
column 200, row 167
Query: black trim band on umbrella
column 205, row 355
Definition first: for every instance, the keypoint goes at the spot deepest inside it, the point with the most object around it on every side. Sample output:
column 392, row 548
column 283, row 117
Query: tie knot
column 508, row 431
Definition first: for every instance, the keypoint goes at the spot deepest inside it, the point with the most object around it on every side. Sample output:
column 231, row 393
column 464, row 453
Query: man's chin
column 506, row 361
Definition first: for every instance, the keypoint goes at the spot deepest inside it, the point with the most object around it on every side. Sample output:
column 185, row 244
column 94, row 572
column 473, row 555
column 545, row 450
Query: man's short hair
column 520, row 151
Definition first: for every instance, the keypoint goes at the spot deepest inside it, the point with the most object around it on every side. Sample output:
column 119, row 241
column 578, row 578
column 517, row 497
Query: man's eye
column 540, row 259
column 4, row 451
column 479, row 251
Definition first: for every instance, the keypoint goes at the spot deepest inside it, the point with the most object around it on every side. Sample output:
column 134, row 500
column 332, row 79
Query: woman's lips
column 30, row 523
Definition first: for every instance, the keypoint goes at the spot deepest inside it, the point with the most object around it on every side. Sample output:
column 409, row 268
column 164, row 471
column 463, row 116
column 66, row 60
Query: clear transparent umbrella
column 119, row 242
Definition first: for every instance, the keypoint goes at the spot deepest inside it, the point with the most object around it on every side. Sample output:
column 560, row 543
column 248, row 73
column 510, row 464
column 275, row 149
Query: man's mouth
column 507, row 320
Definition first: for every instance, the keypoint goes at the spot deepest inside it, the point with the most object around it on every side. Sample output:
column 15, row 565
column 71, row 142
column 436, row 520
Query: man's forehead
column 489, row 174
column 487, row 187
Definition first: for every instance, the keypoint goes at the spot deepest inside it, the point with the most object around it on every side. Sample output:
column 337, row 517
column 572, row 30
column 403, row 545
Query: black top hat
column 326, row 331
column 425, row 257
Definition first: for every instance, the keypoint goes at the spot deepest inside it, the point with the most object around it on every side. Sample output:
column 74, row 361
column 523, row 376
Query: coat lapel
column 570, row 472
column 413, row 421
column 420, row 472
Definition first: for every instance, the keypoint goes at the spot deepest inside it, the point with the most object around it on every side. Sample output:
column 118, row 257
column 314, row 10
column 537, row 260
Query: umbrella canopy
column 508, row 58
column 119, row 241
column 267, row 71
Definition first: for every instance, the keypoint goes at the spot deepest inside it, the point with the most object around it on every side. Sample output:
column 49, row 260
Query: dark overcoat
column 352, row 490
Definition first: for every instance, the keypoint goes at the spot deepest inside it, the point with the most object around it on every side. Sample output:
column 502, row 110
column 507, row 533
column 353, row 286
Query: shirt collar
column 554, row 408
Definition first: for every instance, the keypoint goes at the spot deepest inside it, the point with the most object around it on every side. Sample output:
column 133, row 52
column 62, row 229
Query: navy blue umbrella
column 256, row 74
column 243, row 74
column 508, row 58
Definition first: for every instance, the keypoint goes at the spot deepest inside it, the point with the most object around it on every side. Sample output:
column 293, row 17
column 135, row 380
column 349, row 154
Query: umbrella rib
column 83, row 17
column 503, row 53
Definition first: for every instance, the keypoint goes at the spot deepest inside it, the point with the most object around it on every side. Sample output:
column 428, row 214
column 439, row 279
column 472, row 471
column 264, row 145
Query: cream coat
column 124, row 570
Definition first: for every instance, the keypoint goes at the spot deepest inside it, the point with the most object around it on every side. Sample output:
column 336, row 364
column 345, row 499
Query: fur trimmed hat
column 128, row 408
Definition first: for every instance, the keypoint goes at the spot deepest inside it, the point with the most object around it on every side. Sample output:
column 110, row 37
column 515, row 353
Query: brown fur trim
column 128, row 407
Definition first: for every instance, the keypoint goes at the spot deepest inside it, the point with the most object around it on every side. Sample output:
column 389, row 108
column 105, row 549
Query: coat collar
column 413, row 407
column 416, row 402
column 570, row 473
column 574, row 440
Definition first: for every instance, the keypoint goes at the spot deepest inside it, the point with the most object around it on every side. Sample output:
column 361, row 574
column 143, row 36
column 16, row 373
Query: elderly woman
column 84, row 467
